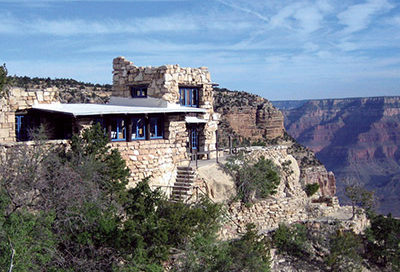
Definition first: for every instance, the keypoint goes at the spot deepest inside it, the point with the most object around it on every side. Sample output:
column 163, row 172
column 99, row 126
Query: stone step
column 184, row 180
column 185, row 175
column 179, row 188
column 183, row 183
column 185, row 168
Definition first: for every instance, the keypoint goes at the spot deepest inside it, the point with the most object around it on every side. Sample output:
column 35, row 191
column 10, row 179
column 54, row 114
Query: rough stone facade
column 20, row 100
column 159, row 158
column 163, row 82
column 155, row 158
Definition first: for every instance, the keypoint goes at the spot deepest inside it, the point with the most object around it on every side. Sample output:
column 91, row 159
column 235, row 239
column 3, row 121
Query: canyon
column 356, row 138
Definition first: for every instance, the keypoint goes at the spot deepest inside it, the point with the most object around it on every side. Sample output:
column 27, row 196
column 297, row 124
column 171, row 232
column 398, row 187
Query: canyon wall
column 247, row 116
column 356, row 138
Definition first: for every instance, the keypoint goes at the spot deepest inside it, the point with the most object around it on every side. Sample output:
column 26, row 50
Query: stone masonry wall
column 163, row 82
column 157, row 158
column 21, row 99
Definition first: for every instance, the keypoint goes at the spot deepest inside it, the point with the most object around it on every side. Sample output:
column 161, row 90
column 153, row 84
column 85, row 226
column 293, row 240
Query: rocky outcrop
column 356, row 138
column 288, row 205
column 250, row 118
column 247, row 116
column 318, row 174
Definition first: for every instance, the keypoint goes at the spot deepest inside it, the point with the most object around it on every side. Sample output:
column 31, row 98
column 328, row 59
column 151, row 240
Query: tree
column 4, row 81
column 254, row 179
column 383, row 242
column 345, row 252
column 359, row 196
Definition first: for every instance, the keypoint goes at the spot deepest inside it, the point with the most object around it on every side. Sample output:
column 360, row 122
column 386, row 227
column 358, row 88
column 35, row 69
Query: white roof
column 99, row 109
column 194, row 120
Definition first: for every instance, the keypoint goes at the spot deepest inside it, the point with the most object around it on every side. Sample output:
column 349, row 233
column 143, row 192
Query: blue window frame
column 139, row 91
column 138, row 128
column 189, row 97
column 194, row 138
column 118, row 130
column 156, row 127
column 22, row 126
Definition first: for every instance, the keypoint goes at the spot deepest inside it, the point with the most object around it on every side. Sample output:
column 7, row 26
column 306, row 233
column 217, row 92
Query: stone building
column 159, row 118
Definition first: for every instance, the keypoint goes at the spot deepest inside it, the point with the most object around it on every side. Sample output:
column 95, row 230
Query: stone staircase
column 183, row 185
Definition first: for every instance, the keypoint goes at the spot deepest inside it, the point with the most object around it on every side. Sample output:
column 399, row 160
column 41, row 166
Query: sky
column 281, row 50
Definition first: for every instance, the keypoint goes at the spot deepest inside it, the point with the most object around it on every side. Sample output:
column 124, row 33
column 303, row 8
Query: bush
column 311, row 189
column 383, row 242
column 291, row 239
column 345, row 252
column 254, row 179
column 206, row 253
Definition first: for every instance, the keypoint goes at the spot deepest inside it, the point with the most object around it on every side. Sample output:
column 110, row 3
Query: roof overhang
column 194, row 120
column 103, row 109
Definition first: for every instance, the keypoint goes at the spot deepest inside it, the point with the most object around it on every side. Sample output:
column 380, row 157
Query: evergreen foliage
column 291, row 239
column 4, row 81
column 254, row 179
column 70, row 211
column 383, row 242
column 359, row 196
column 345, row 252
column 205, row 253
column 311, row 189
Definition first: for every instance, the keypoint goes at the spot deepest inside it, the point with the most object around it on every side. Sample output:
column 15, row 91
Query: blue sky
column 277, row 49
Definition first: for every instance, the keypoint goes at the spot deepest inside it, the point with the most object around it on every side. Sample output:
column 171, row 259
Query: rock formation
column 250, row 118
column 247, row 115
column 357, row 138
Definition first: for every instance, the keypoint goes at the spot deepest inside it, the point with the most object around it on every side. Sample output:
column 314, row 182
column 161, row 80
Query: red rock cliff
column 357, row 138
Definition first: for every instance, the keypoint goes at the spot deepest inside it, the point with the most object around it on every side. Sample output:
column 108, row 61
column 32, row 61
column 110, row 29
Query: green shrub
column 254, row 179
column 383, row 242
column 311, row 189
column 345, row 252
column 291, row 239
column 206, row 253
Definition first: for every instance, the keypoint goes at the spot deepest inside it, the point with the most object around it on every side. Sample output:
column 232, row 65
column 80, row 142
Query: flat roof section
column 99, row 109
column 194, row 120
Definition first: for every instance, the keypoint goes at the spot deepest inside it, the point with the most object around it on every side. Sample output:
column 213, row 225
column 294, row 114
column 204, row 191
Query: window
column 138, row 128
column 156, row 127
column 139, row 91
column 118, row 130
column 189, row 97
column 194, row 138
column 22, row 127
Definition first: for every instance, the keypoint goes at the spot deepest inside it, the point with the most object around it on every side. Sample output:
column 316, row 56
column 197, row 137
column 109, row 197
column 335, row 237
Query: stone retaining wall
column 266, row 215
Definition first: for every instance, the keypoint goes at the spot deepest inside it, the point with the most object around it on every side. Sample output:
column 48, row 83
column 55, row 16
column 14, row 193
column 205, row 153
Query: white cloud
column 68, row 27
column 309, row 18
column 358, row 17
column 245, row 9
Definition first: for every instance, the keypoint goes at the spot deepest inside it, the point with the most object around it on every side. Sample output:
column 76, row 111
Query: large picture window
column 189, row 97
column 138, row 128
column 156, row 127
column 118, row 129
